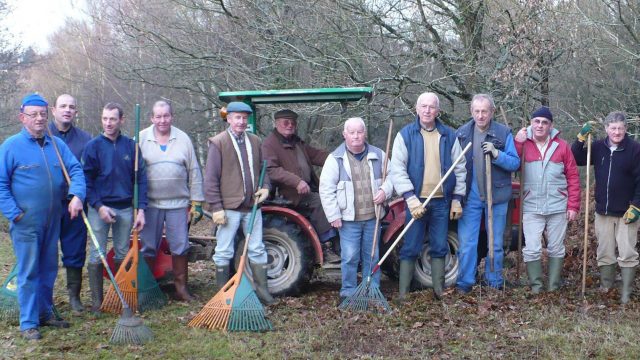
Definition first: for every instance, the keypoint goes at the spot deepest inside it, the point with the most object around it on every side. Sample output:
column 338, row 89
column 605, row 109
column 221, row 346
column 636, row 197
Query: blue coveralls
column 469, row 225
column 73, row 232
column 31, row 182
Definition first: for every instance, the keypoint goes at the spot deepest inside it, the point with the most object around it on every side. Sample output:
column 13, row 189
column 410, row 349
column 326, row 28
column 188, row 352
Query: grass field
column 484, row 324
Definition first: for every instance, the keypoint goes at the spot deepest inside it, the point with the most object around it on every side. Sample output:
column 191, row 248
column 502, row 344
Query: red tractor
column 293, row 246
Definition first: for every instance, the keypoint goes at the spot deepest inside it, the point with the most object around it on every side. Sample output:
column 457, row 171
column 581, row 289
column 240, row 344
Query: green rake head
column 247, row 313
column 150, row 296
column 9, row 308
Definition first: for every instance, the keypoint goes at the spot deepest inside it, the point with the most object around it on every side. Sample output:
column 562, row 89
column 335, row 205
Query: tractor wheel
column 289, row 254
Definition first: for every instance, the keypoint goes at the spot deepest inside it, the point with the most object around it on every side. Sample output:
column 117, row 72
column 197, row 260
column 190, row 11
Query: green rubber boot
column 222, row 276
column 555, row 273
column 607, row 276
column 628, row 275
column 407, row 268
column 437, row 277
column 95, row 284
column 534, row 272
column 74, row 283
column 260, row 279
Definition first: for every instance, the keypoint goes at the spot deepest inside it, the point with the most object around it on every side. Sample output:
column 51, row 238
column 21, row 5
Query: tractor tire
column 289, row 256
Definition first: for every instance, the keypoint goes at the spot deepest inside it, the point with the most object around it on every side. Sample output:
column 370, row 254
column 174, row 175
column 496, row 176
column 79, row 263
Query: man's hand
column 261, row 195
column 138, row 224
column 219, row 217
column 107, row 214
column 572, row 215
column 415, row 207
column 380, row 197
column 632, row 215
column 195, row 213
column 587, row 129
column 521, row 136
column 303, row 187
column 75, row 207
column 489, row 148
column 337, row 223
column 456, row 210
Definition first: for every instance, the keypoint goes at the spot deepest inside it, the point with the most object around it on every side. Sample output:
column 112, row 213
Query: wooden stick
column 586, row 219
column 487, row 162
column 384, row 177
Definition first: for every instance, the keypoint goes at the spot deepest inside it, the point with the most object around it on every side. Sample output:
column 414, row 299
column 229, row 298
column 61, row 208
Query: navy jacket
column 76, row 139
column 617, row 174
column 109, row 172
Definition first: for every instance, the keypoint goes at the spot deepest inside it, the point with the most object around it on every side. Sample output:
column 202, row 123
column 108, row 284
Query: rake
column 129, row 329
column 9, row 307
column 368, row 296
column 236, row 307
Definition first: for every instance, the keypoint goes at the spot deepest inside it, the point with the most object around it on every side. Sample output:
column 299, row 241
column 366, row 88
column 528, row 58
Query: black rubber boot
column 260, row 279
column 437, row 277
column 74, row 283
column 222, row 276
column 95, row 283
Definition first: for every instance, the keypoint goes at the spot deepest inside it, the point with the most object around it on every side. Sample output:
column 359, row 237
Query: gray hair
column 356, row 120
column 485, row 97
column 615, row 116
column 162, row 103
column 429, row 94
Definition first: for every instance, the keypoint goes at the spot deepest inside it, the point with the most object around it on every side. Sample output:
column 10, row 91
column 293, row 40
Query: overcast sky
column 32, row 21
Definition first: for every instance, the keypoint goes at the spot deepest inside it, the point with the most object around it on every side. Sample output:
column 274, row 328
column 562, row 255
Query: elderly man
column 617, row 193
column 552, row 187
column 174, row 178
column 32, row 189
column 109, row 167
column 488, row 137
column 230, row 182
column 73, row 233
column 350, row 188
column 423, row 151
column 290, row 167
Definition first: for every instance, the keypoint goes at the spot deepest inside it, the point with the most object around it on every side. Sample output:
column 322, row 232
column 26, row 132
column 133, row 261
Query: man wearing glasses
column 32, row 186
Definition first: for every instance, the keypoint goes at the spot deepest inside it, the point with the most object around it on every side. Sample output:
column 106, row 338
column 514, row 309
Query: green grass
column 487, row 324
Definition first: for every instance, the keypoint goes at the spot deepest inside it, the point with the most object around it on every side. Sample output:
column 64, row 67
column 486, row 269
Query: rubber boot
column 74, row 283
column 329, row 254
column 260, row 279
column 181, row 277
column 555, row 273
column 607, row 276
column 222, row 275
column 95, row 283
column 407, row 268
column 534, row 272
column 437, row 277
column 628, row 275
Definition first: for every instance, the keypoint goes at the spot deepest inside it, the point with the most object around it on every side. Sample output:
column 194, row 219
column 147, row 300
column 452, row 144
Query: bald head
column 428, row 109
column 64, row 111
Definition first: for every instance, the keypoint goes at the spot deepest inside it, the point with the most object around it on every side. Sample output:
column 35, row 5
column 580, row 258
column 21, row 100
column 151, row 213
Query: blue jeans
column 356, row 239
column 120, row 233
column 436, row 219
column 227, row 233
column 468, row 231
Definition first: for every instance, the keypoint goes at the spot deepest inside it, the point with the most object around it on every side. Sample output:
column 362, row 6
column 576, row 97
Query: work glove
column 587, row 129
column 632, row 214
column 489, row 148
column 261, row 195
column 415, row 207
column 219, row 217
column 196, row 212
column 456, row 210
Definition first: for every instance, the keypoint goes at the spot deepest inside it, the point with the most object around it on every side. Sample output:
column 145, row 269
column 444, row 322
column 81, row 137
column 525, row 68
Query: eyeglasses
column 43, row 115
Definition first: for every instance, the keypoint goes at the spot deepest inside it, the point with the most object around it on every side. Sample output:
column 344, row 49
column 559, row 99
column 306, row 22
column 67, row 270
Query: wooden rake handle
column 586, row 219
column 384, row 178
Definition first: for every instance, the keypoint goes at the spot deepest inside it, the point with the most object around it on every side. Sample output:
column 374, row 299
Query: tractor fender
column 304, row 224
column 394, row 219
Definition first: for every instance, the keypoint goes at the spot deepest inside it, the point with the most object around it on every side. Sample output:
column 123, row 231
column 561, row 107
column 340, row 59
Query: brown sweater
column 223, row 180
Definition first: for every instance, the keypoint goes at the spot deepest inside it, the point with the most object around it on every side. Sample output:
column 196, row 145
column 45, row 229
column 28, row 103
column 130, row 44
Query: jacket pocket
column 341, row 195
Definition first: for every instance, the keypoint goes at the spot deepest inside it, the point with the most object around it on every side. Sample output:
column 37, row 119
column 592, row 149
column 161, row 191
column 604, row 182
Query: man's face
column 161, row 119
column 111, row 123
column 286, row 126
column 64, row 110
column 541, row 128
column 428, row 110
column 34, row 119
column 354, row 136
column 482, row 113
column 616, row 132
column 238, row 122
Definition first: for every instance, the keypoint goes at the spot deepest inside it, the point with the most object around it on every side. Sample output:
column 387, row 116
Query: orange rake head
column 215, row 314
column 127, row 280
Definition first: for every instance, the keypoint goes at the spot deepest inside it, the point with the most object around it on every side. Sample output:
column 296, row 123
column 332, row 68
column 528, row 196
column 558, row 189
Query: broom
column 129, row 329
column 369, row 296
column 236, row 307
column 9, row 307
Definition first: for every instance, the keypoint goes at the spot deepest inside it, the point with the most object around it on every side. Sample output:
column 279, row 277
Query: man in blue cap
column 32, row 187
column 230, row 188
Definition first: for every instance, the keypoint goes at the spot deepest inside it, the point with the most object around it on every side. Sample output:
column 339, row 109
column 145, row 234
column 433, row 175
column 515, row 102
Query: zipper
column 606, row 207
column 50, row 182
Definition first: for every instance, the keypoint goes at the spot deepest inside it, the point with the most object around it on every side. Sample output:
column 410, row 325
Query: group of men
column 342, row 203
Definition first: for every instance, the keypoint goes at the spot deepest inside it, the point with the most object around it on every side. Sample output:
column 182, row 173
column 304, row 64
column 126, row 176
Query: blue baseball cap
column 33, row 99
column 237, row 106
